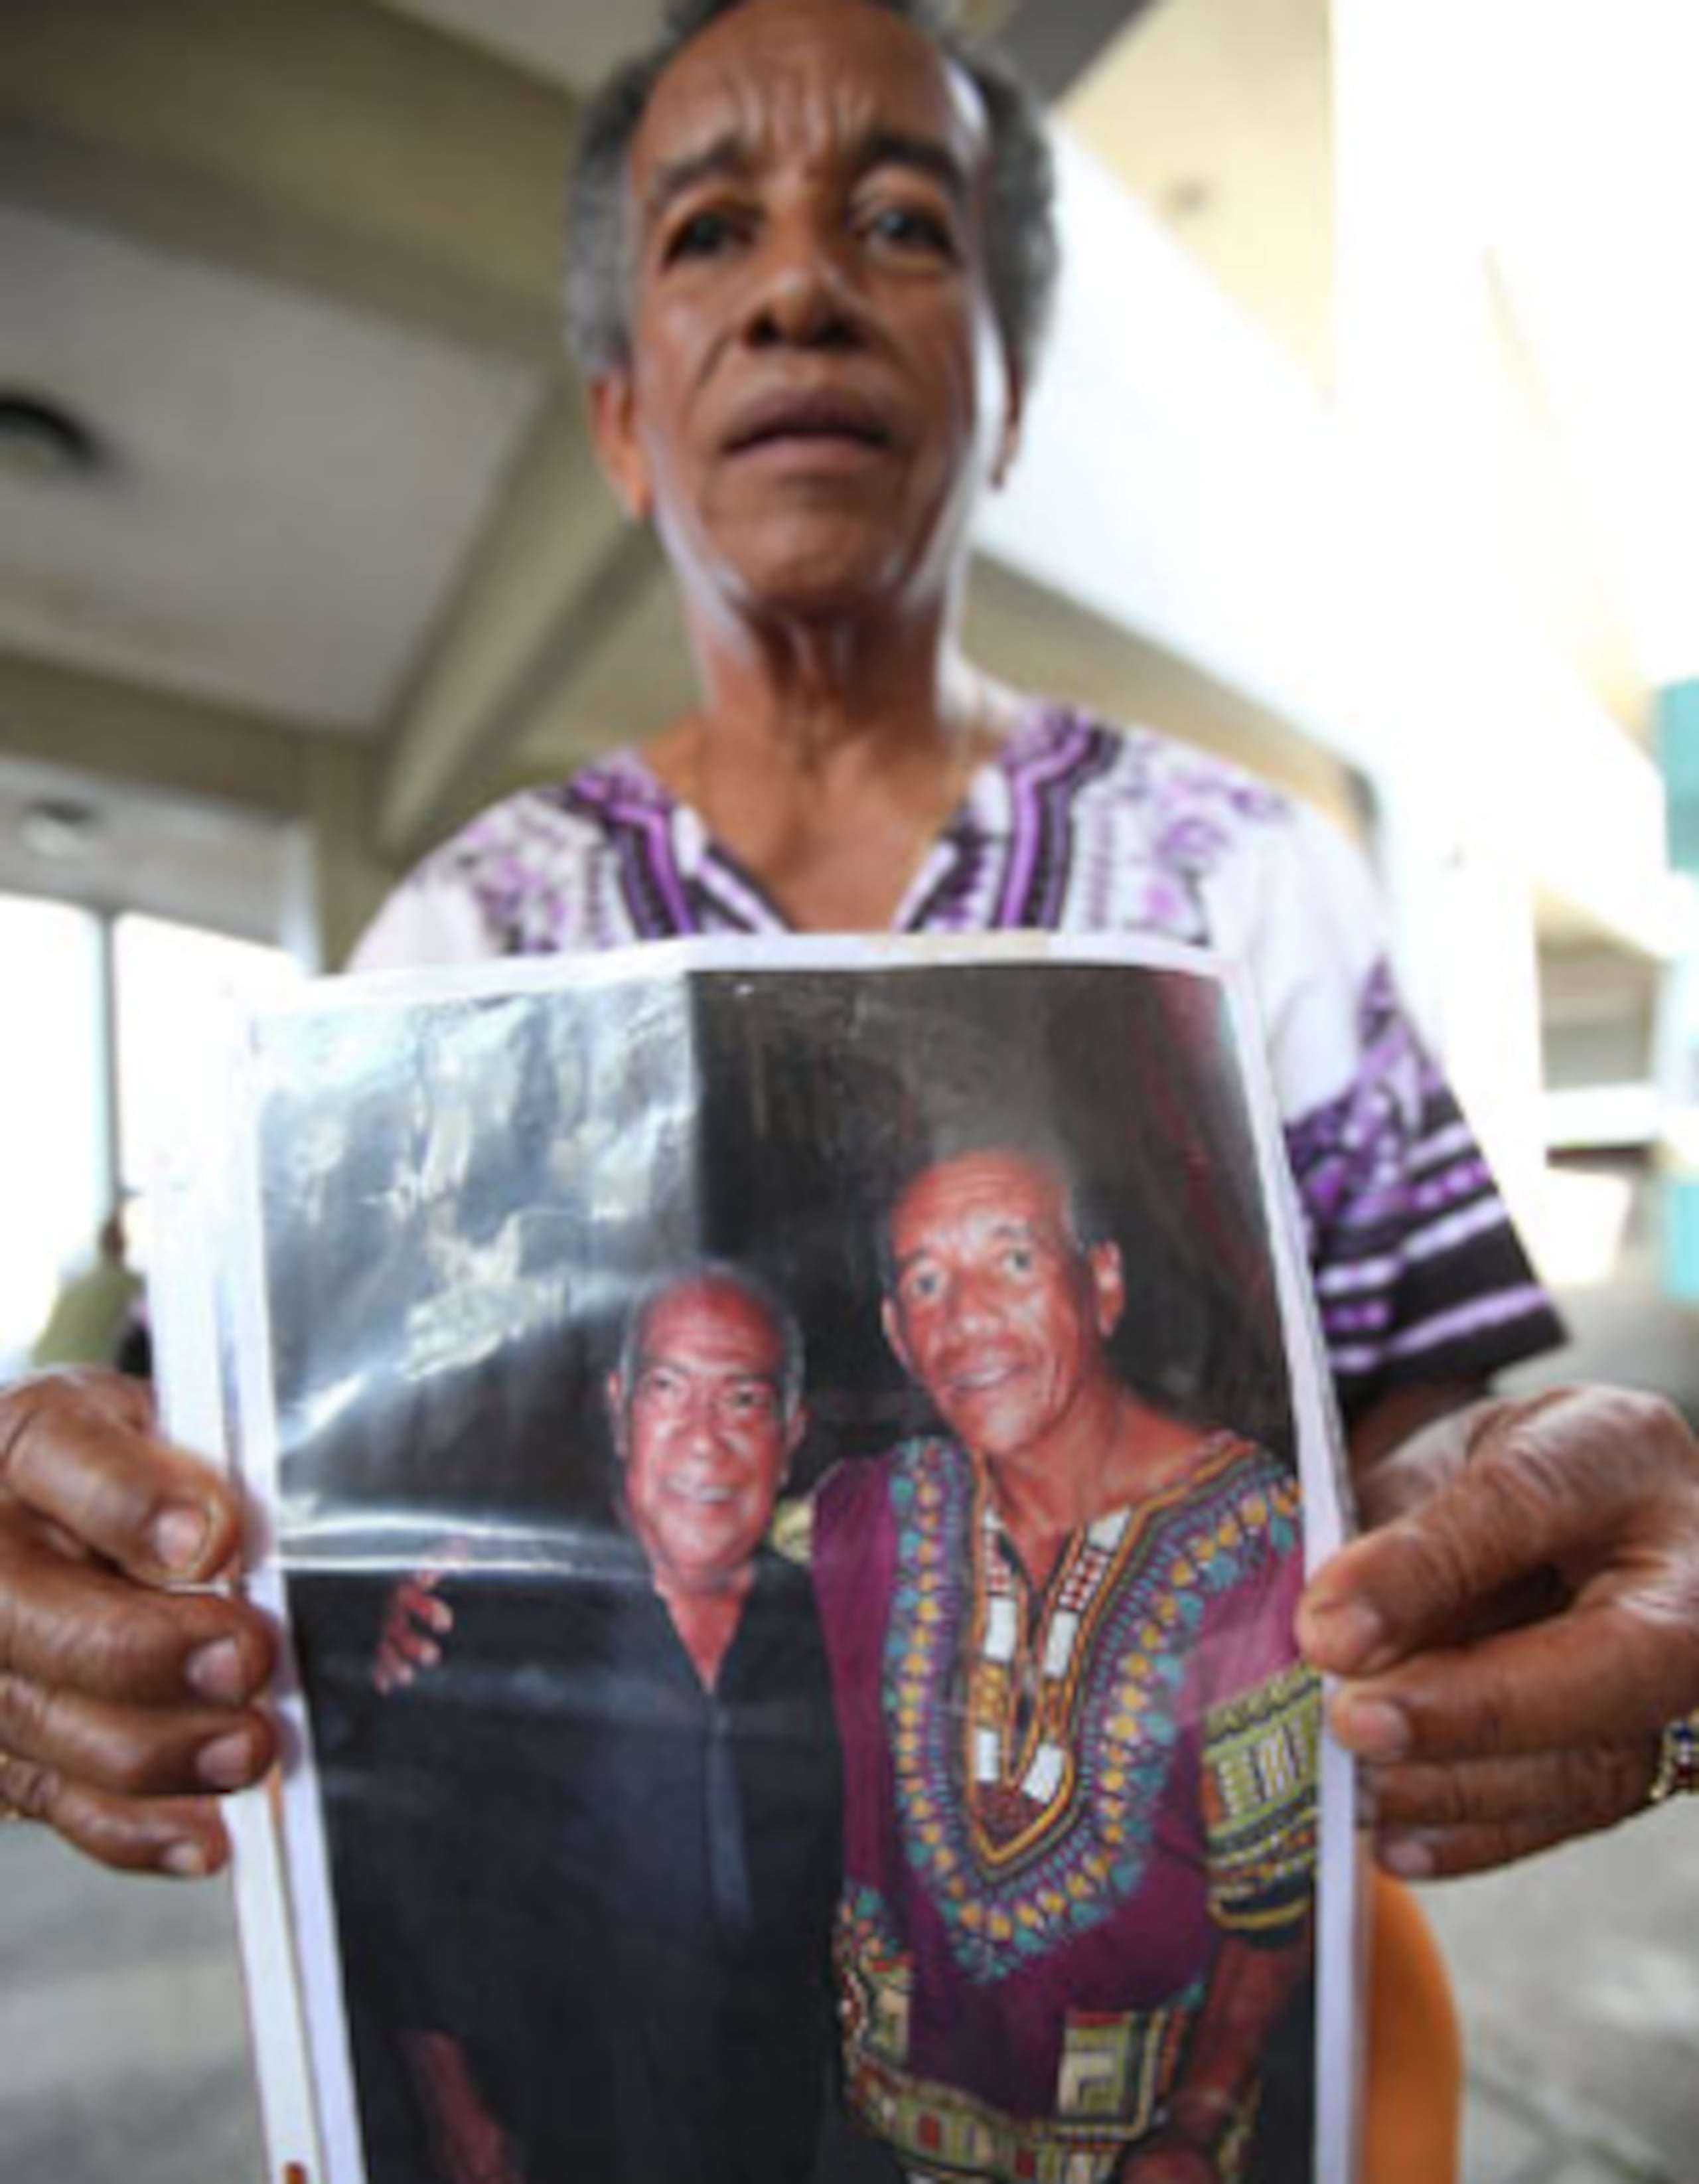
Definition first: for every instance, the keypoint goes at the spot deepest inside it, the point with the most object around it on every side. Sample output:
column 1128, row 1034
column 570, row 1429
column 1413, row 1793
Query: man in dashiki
column 1079, row 1745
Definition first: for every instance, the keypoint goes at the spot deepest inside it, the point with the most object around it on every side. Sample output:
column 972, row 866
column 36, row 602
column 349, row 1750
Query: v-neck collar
column 691, row 883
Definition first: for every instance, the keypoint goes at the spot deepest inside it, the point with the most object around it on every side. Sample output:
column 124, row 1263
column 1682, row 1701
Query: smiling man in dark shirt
column 588, row 1888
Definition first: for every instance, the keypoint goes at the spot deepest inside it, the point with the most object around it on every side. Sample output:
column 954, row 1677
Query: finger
column 131, row 1749
column 1575, row 1791
column 182, row 1838
column 415, row 1603
column 78, row 1450
column 1479, row 1846
column 1596, row 1675
column 74, row 1627
column 394, row 1671
column 1564, row 1482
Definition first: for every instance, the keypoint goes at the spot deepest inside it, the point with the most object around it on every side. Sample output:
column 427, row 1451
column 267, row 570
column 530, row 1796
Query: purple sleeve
column 1419, row 1274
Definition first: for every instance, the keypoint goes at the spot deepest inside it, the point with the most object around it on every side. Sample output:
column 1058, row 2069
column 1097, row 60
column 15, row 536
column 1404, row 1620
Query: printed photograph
column 789, row 1484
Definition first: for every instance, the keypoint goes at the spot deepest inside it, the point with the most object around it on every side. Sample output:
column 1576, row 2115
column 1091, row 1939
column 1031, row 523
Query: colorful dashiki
column 1057, row 1805
column 1076, row 828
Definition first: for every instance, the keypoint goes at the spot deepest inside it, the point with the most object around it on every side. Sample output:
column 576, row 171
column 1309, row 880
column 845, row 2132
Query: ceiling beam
column 334, row 147
column 1053, row 47
column 148, row 739
column 556, row 569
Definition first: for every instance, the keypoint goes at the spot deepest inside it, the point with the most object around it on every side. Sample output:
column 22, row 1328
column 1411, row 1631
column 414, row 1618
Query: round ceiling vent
column 40, row 438
column 61, row 829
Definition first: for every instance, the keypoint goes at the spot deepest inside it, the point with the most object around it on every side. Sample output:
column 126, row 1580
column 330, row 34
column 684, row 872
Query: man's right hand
column 126, row 1702
column 416, row 1622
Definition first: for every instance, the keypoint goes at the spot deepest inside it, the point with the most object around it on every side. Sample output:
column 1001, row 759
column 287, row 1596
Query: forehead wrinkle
column 762, row 105
column 726, row 155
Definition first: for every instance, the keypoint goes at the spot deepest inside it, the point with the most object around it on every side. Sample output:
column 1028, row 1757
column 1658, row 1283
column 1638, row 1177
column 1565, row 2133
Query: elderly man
column 1079, row 1745
column 812, row 257
column 589, row 1864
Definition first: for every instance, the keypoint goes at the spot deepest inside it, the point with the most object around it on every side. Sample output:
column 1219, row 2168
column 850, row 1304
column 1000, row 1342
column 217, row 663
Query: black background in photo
column 460, row 1200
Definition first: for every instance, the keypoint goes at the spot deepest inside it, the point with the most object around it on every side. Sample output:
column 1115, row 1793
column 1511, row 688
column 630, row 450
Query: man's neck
column 826, row 764
column 706, row 1620
column 1108, row 1451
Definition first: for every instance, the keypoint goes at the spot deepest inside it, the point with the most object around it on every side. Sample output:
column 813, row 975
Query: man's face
column 817, row 393
column 703, row 1434
column 996, row 1310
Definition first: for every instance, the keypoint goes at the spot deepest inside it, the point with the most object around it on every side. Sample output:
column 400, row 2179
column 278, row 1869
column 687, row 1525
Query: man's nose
column 803, row 298
column 971, row 1304
column 705, row 1433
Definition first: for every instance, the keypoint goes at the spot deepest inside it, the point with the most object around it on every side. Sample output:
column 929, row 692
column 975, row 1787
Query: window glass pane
column 52, row 1111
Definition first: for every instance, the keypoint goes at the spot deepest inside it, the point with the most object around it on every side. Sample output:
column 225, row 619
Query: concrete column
column 1678, row 1055
column 338, row 880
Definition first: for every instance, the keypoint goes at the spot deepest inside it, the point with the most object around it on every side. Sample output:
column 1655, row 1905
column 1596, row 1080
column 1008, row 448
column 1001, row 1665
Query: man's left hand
column 1517, row 1628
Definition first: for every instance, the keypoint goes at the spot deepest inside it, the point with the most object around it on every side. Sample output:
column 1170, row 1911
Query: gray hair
column 1020, row 221
column 715, row 1274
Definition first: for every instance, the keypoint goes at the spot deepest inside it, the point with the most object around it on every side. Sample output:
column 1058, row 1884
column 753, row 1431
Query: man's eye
column 753, row 1399
column 924, row 1285
column 704, row 235
column 906, row 227
column 1019, row 1259
column 666, row 1390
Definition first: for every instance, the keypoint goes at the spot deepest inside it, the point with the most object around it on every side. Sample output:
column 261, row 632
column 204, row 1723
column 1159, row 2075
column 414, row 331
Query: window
column 109, row 1046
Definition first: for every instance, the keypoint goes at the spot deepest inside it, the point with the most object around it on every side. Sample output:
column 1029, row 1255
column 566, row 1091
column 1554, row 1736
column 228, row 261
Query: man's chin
column 711, row 1566
column 994, row 1431
column 812, row 566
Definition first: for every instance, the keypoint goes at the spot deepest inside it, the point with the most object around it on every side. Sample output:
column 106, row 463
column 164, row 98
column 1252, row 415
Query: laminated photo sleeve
column 785, row 1471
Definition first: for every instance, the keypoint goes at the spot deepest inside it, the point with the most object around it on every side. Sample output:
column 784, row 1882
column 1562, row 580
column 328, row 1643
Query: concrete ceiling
column 575, row 46
column 287, row 489
column 565, row 45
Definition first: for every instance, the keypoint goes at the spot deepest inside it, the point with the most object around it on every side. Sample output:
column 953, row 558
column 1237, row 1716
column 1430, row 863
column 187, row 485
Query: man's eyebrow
column 1000, row 1230
column 727, row 155
column 926, row 155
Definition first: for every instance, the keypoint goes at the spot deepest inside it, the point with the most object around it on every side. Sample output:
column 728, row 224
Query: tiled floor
column 123, row 2055
column 1578, row 1976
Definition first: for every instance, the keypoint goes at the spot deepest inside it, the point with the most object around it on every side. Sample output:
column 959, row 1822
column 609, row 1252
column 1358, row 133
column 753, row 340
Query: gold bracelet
column 1678, row 1762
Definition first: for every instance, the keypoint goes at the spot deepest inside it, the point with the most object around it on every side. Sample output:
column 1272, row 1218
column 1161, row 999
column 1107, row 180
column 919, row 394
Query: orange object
column 1412, row 2111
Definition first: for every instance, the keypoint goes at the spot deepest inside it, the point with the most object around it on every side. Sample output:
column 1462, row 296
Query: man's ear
column 795, row 1427
column 614, row 1393
column 1014, row 416
column 892, row 1321
column 613, row 428
column 1108, row 1286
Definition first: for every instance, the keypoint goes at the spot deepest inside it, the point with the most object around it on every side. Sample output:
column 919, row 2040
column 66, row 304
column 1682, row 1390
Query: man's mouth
column 983, row 1378
column 824, row 423
column 702, row 1496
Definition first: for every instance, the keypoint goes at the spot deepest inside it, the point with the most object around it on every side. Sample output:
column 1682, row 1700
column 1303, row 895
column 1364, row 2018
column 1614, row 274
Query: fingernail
column 1407, row 1858
column 1372, row 1728
column 187, row 1860
column 227, row 1763
column 179, row 1535
column 219, row 1672
column 1344, row 1636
